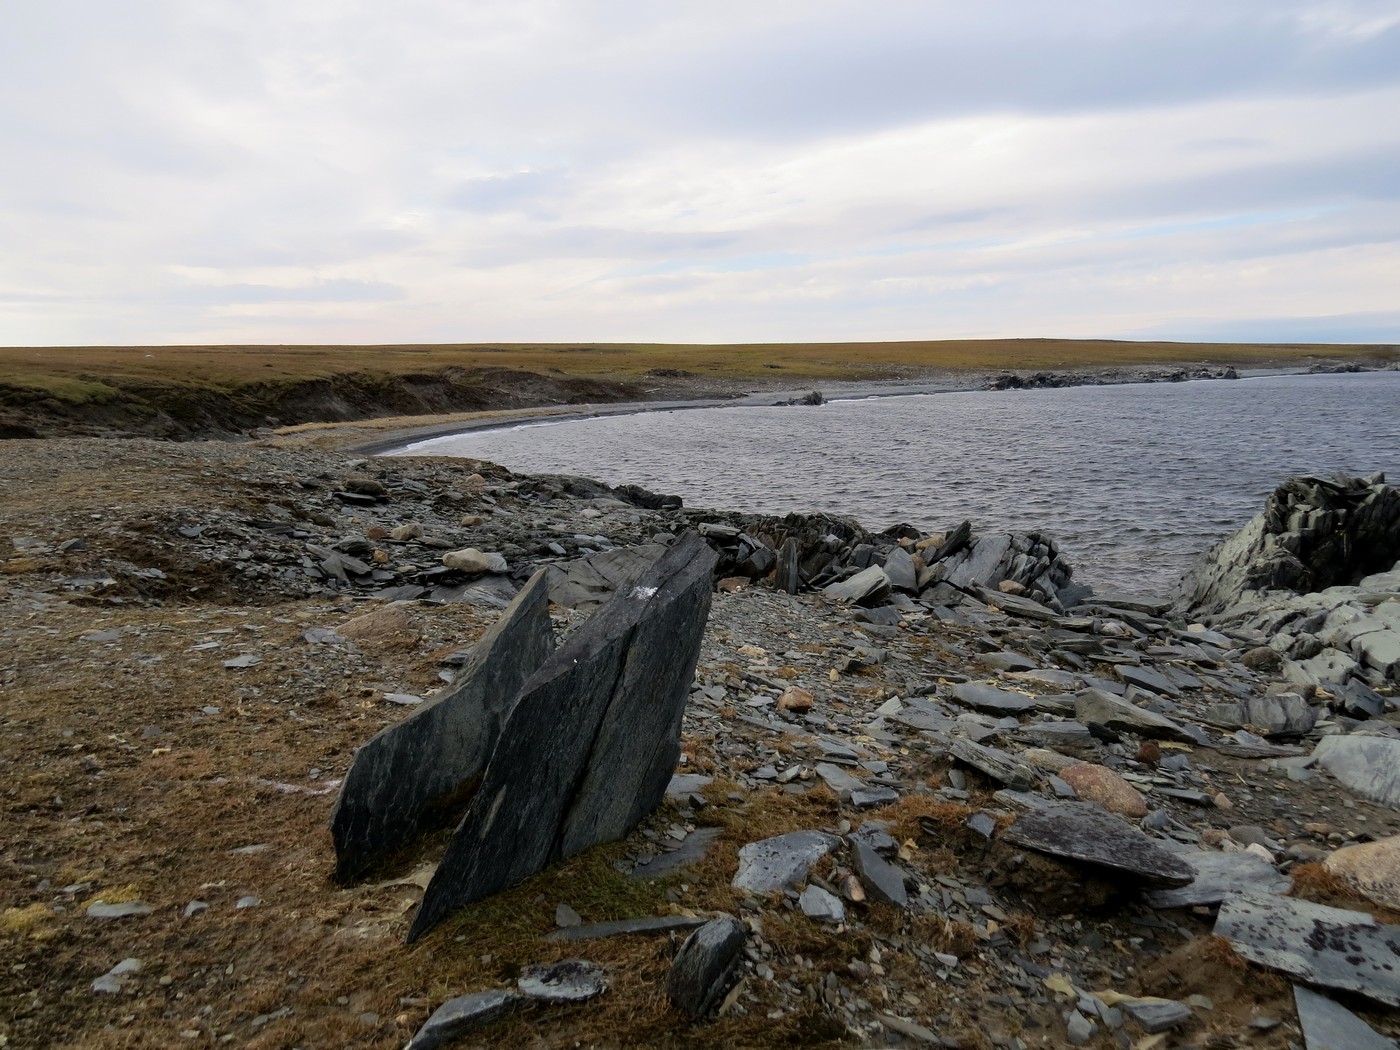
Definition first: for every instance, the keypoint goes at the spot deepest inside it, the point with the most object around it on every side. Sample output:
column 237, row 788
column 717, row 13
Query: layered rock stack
column 1315, row 577
column 1314, row 533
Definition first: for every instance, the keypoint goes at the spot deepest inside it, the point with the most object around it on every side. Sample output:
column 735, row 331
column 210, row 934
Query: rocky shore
column 931, row 791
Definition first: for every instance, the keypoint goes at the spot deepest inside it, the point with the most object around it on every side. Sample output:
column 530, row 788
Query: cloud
column 535, row 169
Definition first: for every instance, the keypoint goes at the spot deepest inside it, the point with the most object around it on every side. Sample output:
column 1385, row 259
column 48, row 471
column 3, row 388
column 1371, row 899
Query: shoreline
column 398, row 442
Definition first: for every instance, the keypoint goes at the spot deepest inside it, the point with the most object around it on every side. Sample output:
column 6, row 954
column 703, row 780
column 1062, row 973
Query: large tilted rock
column 1314, row 533
column 417, row 774
column 592, row 741
column 588, row 582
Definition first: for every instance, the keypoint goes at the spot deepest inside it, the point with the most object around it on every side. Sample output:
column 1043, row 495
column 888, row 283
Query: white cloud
column 214, row 170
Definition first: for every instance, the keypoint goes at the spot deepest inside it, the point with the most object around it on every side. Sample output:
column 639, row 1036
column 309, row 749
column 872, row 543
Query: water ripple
column 1132, row 480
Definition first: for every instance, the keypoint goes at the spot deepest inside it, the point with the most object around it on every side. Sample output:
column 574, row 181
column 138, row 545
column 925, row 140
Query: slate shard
column 592, row 741
column 417, row 774
column 1083, row 832
column 1328, row 1025
column 784, row 860
column 703, row 967
column 466, row 1013
column 1332, row 947
column 1221, row 875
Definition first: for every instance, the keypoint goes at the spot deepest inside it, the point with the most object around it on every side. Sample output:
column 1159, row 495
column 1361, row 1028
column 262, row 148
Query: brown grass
column 79, row 374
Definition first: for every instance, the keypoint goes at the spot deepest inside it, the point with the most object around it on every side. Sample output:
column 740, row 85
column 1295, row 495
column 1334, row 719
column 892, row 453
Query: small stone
column 123, row 910
column 816, row 903
column 194, row 908
column 1156, row 1015
column 565, row 917
column 1080, row 1029
column 117, row 978
column 247, row 902
column 246, row 660
column 473, row 562
column 570, row 981
column 408, row 531
column 796, row 700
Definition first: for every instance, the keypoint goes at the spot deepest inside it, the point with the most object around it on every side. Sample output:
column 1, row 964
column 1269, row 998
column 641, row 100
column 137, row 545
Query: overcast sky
column 293, row 171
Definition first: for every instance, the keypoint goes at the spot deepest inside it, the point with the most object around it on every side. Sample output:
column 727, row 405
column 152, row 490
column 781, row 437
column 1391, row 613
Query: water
column 1133, row 481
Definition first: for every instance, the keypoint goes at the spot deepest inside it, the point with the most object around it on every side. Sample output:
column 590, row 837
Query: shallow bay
column 1132, row 480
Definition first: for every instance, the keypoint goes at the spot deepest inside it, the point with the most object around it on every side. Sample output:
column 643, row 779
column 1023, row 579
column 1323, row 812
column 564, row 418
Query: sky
column 308, row 171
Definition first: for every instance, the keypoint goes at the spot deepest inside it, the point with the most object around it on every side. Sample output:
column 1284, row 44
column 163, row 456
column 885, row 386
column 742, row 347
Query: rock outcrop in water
column 1315, row 578
column 1314, row 533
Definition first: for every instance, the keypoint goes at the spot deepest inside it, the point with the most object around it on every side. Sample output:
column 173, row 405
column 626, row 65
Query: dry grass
column 79, row 374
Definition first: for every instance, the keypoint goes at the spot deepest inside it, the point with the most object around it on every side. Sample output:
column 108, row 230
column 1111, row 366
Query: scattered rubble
column 975, row 810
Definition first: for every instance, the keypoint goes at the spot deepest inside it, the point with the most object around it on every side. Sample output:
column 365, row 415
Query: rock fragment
column 784, row 860
column 702, row 968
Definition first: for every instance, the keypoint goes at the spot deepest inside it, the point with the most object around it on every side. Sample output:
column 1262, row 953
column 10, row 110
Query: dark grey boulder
column 991, row 700
column 466, row 1013
column 702, row 969
column 1314, row 533
column 1332, row 947
column 1287, row 714
column 1095, row 707
column 1146, row 678
column 592, row 741
column 1083, row 832
column 899, row 567
column 1328, row 1025
column 417, row 774
column 788, row 575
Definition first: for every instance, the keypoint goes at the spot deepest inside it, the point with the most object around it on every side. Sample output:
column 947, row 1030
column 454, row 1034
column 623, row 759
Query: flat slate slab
column 625, row 928
column 416, row 775
column 1368, row 765
column 592, row 741
column 1083, row 832
column 1097, row 707
column 866, row 587
column 1220, row 875
column 1332, row 947
column 996, row 764
column 1328, row 1025
column 990, row 699
column 784, row 860
column 883, row 879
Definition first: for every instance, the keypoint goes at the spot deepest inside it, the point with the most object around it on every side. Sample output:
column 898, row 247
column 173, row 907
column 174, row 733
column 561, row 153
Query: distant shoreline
column 399, row 442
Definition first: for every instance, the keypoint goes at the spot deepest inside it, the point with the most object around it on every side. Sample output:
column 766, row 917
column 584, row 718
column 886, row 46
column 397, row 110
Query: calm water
column 1132, row 480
